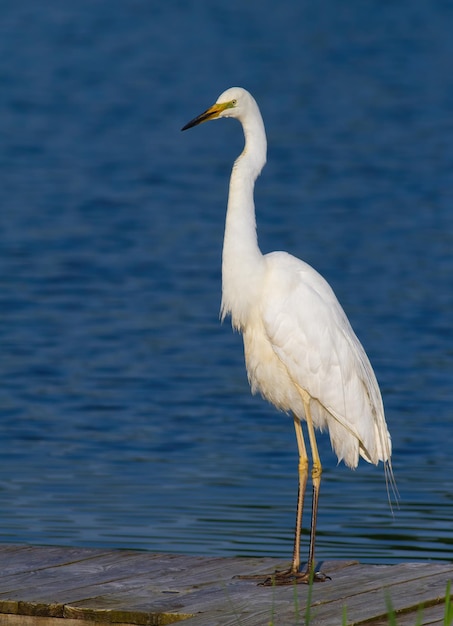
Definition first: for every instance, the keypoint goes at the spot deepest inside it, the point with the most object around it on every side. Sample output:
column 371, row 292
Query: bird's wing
column 312, row 337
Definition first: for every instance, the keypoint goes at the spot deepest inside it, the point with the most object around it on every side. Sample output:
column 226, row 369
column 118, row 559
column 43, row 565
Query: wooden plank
column 16, row 559
column 232, row 597
column 129, row 587
column 32, row 620
column 405, row 597
column 360, row 609
column 431, row 616
column 96, row 568
column 207, row 586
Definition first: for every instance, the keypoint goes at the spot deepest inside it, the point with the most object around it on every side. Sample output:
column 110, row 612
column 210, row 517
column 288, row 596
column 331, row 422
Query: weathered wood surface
column 123, row 587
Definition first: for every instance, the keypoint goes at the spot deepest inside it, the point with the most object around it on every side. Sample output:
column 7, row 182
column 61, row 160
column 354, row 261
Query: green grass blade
column 390, row 610
column 419, row 621
column 448, row 614
column 308, row 606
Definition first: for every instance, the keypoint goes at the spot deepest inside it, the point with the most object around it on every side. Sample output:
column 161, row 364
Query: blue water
column 126, row 418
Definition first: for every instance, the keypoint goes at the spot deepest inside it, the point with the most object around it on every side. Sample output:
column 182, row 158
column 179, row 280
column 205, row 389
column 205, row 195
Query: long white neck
column 242, row 262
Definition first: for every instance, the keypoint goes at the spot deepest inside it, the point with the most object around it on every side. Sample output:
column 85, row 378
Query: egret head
column 231, row 103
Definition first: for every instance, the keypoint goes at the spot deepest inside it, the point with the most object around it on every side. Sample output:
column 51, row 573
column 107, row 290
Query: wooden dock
column 51, row 586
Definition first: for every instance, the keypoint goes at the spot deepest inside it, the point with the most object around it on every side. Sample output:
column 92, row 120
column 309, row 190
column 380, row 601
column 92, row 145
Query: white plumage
column 301, row 353
column 298, row 332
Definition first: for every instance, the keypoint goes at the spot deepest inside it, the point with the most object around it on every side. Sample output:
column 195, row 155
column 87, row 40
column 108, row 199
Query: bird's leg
column 316, row 481
column 289, row 577
column 294, row 575
column 303, row 475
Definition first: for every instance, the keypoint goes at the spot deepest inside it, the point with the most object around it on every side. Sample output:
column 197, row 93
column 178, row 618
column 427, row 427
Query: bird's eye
column 234, row 102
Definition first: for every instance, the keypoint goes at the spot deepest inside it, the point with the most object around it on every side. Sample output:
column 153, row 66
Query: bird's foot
column 289, row 577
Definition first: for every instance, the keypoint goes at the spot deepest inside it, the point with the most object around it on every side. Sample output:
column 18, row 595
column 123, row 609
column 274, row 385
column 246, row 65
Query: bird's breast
column 266, row 373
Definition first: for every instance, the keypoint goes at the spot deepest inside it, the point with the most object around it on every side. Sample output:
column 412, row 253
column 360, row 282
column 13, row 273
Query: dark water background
column 126, row 418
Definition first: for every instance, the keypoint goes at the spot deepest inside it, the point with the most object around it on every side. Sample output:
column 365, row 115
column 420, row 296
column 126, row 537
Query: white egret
column 301, row 353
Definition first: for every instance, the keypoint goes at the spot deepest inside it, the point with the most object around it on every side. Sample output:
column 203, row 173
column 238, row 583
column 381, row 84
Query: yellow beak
column 209, row 114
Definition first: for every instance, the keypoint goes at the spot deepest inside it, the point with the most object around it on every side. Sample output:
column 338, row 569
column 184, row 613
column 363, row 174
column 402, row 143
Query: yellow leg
column 294, row 575
column 303, row 474
column 316, row 480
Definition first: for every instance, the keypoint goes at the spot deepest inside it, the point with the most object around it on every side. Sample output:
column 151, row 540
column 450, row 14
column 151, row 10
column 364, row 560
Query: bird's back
column 298, row 337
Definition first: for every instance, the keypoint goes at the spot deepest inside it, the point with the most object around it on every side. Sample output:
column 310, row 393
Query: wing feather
column 312, row 337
